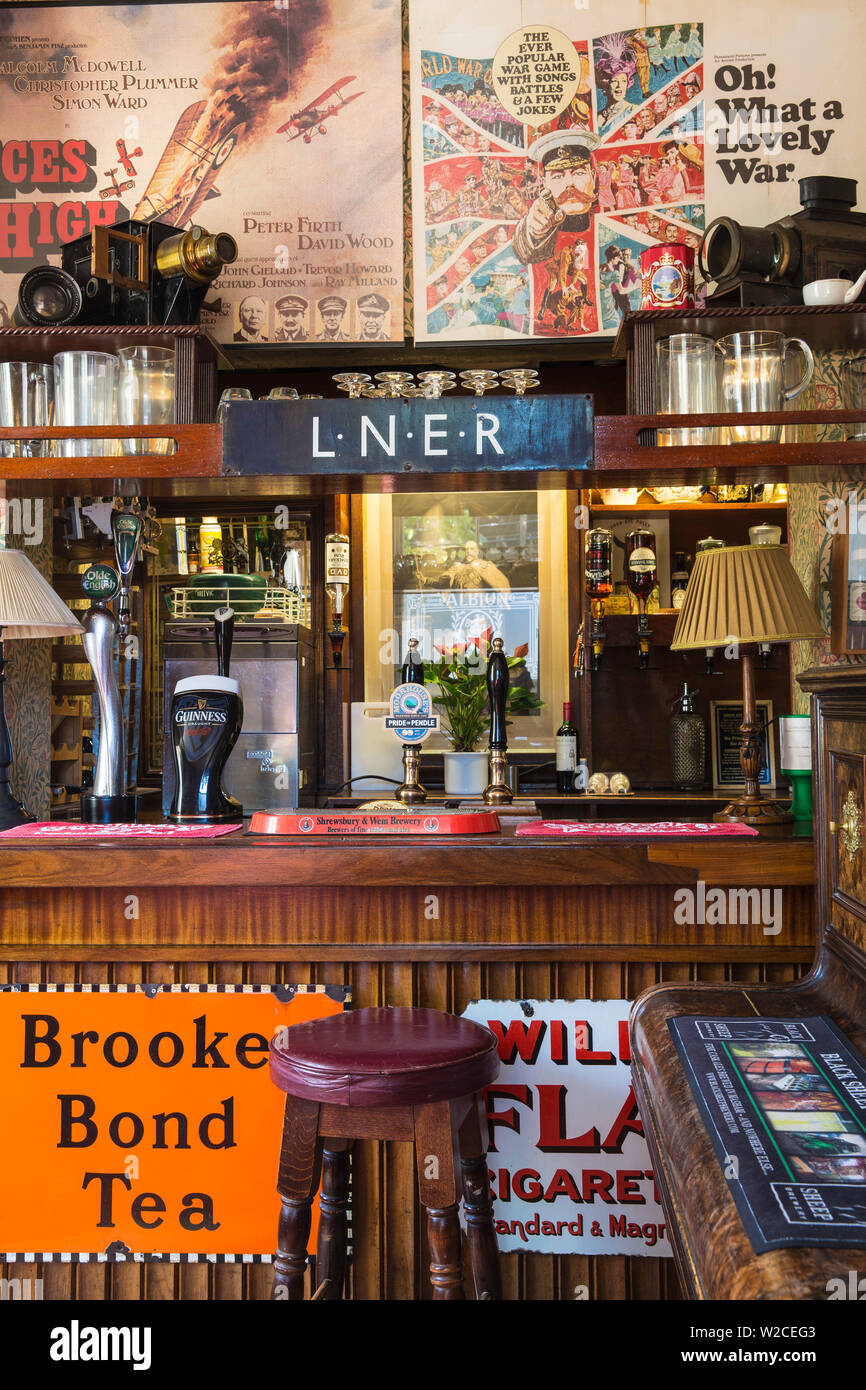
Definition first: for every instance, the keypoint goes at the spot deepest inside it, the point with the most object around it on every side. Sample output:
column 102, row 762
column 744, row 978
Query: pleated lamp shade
column 29, row 606
column 748, row 592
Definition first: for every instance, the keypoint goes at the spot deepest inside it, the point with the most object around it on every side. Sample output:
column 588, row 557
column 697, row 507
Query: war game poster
column 278, row 121
column 552, row 142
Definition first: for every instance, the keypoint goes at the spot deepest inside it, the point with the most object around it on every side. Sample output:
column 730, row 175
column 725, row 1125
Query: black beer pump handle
column 224, row 627
column 412, row 670
column 497, row 691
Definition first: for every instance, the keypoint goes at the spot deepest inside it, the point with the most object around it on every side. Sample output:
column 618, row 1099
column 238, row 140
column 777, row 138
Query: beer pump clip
column 411, row 718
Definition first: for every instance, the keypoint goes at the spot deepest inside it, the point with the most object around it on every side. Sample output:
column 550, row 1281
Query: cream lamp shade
column 750, row 593
column 29, row 606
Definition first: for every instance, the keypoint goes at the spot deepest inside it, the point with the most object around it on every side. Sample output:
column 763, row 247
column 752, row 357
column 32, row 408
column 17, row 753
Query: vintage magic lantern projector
column 770, row 265
column 132, row 273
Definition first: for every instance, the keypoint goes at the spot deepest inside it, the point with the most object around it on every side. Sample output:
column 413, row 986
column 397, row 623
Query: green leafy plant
column 461, row 675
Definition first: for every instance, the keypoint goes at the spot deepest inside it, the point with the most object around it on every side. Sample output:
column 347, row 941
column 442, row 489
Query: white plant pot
column 465, row 773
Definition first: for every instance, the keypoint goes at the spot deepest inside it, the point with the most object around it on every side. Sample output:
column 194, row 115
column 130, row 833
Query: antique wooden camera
column 132, row 273
column 770, row 265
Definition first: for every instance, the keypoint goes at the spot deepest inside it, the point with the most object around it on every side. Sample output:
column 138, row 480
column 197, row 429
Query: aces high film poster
column 278, row 122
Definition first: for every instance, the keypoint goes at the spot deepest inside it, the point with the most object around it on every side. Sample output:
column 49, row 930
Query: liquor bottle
column 337, row 572
column 566, row 751
column 642, row 578
column 598, row 582
column 598, row 564
column 642, row 567
column 679, row 580
column 336, row 587
column 210, row 540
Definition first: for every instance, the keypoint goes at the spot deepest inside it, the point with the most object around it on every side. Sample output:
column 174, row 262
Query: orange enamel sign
column 142, row 1120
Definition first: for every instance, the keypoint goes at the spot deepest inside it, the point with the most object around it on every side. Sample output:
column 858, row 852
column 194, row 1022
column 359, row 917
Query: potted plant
column 461, row 676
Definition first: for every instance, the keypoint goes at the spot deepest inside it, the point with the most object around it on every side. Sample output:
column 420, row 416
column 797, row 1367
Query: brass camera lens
column 47, row 296
column 198, row 254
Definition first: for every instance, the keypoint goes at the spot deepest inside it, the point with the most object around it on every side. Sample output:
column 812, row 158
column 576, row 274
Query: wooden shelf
column 824, row 326
column 197, row 454
column 711, row 505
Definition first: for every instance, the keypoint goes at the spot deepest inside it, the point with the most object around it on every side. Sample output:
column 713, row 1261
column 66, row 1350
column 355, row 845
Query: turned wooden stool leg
column 300, row 1165
column 478, row 1207
column 333, row 1205
column 439, row 1188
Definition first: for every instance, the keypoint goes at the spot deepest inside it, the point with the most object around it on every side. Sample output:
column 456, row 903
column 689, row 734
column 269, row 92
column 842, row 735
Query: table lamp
column 746, row 594
column 29, row 607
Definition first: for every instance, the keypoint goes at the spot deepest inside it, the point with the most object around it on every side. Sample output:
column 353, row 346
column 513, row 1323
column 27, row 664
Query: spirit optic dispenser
column 598, row 581
column 336, row 587
column 641, row 577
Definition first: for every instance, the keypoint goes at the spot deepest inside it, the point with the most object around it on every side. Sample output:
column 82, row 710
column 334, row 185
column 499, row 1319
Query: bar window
column 446, row 567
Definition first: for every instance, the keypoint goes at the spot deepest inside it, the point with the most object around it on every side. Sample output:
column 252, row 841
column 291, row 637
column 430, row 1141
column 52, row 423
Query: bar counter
column 435, row 923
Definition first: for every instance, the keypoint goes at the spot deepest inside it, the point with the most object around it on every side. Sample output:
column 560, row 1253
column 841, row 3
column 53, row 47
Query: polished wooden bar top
column 241, row 859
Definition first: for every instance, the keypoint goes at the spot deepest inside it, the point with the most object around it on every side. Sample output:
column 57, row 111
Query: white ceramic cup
column 826, row 291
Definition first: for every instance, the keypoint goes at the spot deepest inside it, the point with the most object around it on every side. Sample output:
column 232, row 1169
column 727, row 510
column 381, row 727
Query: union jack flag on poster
column 537, row 231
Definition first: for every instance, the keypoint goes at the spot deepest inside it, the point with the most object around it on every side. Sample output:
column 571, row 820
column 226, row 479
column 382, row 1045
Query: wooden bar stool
column 395, row 1073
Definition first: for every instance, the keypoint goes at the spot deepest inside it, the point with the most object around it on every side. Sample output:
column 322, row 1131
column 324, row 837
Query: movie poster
column 278, row 121
column 663, row 117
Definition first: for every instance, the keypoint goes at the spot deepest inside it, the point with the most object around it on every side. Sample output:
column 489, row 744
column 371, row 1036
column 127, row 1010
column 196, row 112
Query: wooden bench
column 713, row 1253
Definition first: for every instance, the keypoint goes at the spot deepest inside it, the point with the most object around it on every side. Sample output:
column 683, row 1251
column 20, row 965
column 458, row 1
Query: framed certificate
column 726, row 716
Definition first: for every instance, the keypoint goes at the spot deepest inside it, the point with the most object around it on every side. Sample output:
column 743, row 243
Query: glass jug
column 753, row 379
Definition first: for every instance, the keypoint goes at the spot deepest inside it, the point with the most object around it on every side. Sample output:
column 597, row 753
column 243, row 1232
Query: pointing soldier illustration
column 372, row 309
column 332, row 309
column 292, row 309
column 568, row 198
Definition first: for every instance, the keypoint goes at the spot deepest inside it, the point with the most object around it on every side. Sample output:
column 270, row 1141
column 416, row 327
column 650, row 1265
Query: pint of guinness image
column 206, row 717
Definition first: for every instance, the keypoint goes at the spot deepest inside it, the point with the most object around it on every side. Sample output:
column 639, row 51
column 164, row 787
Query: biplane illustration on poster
column 278, row 121
column 533, row 214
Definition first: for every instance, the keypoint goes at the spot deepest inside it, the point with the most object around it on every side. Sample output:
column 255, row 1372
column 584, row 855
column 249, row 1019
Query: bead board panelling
column 390, row 1256
column 28, row 673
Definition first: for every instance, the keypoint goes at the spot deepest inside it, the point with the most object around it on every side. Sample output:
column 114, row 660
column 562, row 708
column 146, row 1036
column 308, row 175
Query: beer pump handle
column 100, row 626
column 412, row 670
column 497, row 690
column 126, row 528
column 224, row 628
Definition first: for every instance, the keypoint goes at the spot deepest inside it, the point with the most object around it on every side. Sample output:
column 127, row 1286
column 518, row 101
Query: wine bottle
column 566, row 751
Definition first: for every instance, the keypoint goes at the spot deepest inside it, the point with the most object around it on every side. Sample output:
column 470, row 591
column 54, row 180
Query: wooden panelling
column 432, row 926
column 390, row 1255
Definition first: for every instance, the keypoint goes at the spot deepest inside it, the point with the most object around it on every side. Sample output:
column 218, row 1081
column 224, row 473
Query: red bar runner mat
column 75, row 830
column 590, row 829
column 374, row 823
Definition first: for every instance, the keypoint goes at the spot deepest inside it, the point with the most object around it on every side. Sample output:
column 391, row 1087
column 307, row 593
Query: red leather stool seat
column 396, row 1056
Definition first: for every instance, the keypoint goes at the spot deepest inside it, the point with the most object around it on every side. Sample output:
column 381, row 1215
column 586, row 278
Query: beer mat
column 422, row 822
column 75, row 830
column 784, row 1103
column 590, row 829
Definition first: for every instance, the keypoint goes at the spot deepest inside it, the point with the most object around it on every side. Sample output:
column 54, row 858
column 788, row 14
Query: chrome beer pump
column 109, row 801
